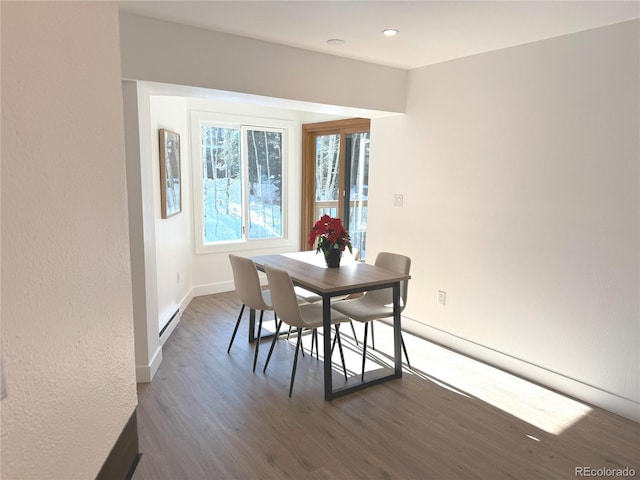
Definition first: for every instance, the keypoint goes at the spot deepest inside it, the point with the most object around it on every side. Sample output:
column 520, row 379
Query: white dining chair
column 247, row 285
column 378, row 304
column 306, row 316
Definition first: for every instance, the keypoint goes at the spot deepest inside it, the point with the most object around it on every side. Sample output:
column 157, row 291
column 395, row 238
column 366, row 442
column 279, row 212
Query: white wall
column 154, row 50
column 173, row 238
column 142, row 231
column 67, row 333
column 520, row 175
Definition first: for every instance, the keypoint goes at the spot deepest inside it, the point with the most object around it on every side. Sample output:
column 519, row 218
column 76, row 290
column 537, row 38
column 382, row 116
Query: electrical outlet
column 442, row 297
column 398, row 200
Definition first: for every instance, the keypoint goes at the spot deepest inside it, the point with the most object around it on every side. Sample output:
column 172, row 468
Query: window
column 239, row 183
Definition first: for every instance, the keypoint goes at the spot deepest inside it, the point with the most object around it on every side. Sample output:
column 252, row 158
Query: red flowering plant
column 331, row 235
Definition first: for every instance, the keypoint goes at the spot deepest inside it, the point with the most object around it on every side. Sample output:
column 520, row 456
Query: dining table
column 308, row 270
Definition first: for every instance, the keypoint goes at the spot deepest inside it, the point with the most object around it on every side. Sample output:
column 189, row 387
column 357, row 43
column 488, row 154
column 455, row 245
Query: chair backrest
column 283, row 296
column 247, row 283
column 394, row 263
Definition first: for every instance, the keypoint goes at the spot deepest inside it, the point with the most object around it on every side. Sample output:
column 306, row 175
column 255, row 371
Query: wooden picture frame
column 170, row 175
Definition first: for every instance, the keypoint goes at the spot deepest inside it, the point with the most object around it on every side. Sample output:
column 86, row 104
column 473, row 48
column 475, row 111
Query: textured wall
column 67, row 328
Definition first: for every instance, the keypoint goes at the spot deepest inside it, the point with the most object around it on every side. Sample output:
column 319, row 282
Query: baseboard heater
column 175, row 314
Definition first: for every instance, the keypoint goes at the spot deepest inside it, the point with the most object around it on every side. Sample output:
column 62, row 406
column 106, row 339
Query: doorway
column 335, row 172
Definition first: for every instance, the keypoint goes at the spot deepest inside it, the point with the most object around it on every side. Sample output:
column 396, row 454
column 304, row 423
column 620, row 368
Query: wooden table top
column 308, row 270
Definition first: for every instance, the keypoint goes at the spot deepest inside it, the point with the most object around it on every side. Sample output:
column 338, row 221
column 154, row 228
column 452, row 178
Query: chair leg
column 295, row 361
column 275, row 319
column 273, row 344
column 364, row 348
column 373, row 339
column 255, row 357
column 235, row 330
column 314, row 339
column 405, row 351
column 353, row 329
column 344, row 367
column 333, row 344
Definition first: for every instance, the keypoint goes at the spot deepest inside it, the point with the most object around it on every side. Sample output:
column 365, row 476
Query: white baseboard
column 560, row 383
column 170, row 328
column 145, row 373
column 184, row 303
column 221, row 287
column 211, row 288
column 168, row 316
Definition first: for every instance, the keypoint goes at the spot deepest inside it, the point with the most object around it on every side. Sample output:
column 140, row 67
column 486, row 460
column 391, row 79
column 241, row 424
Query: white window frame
column 198, row 119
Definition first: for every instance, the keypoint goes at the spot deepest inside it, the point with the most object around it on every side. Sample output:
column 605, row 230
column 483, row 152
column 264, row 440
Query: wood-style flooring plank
column 206, row 415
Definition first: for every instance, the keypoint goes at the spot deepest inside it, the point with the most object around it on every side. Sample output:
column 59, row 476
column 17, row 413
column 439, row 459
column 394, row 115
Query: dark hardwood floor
column 207, row 416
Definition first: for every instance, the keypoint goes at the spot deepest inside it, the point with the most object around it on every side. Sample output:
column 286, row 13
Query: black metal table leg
column 326, row 323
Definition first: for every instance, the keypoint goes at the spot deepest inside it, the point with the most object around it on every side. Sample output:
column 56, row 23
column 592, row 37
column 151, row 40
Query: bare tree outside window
column 226, row 151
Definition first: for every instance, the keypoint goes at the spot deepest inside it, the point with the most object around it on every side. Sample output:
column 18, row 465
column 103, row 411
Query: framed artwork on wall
column 170, row 181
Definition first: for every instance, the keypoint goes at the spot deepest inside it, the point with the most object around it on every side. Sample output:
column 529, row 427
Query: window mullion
column 244, row 156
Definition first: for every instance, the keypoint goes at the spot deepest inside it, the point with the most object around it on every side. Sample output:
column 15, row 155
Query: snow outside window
column 239, row 180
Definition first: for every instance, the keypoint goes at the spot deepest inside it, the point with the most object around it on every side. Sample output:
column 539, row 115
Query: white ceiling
column 430, row 31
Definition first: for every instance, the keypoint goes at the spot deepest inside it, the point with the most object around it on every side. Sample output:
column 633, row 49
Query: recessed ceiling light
column 335, row 41
column 390, row 32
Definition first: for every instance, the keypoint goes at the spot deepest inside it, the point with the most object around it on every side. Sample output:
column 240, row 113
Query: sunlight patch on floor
column 536, row 405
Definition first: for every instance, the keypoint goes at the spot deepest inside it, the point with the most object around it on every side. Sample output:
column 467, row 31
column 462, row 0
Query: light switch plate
column 442, row 297
column 398, row 200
